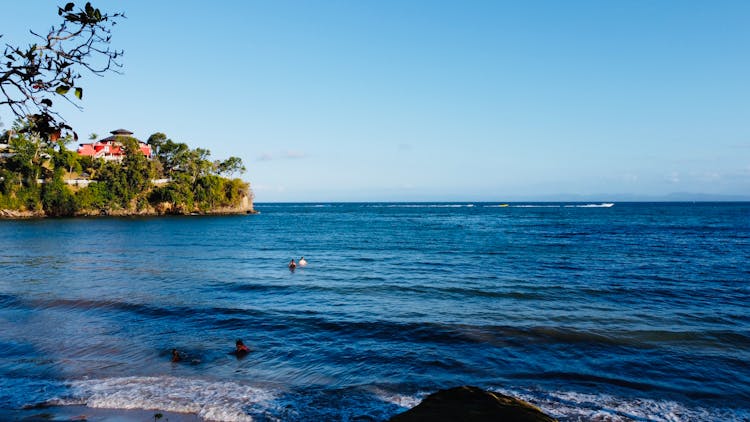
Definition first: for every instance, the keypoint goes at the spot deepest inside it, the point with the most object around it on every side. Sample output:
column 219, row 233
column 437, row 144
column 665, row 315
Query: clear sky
column 374, row 100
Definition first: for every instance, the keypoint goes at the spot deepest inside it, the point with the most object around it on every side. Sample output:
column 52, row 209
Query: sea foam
column 234, row 402
column 578, row 406
column 211, row 400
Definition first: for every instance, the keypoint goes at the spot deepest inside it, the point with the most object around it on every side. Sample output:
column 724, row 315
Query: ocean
column 638, row 311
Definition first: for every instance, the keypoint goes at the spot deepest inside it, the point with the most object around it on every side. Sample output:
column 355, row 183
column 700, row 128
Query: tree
column 30, row 152
column 173, row 156
column 199, row 163
column 156, row 141
column 30, row 77
column 136, row 167
column 229, row 166
column 67, row 159
column 57, row 199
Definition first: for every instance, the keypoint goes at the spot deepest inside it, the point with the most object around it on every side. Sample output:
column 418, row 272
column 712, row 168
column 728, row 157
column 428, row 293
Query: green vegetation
column 35, row 164
column 33, row 174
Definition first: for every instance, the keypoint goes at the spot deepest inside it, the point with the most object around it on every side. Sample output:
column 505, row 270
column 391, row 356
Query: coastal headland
column 162, row 209
column 119, row 175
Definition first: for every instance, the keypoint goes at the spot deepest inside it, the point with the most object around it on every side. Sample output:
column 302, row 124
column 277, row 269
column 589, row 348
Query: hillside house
column 111, row 148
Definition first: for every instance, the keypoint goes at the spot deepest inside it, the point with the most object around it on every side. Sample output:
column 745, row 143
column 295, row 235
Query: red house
column 111, row 148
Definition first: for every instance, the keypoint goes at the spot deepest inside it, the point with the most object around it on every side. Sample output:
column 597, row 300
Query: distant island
column 119, row 175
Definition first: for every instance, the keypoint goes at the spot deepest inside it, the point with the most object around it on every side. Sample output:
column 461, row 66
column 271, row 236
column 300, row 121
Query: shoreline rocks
column 148, row 212
column 471, row 404
column 20, row 215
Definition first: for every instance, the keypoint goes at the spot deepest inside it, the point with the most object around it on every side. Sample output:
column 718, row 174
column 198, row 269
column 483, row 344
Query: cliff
column 163, row 208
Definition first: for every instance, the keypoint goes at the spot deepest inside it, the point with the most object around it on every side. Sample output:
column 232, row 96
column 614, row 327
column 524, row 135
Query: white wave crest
column 400, row 400
column 535, row 206
column 210, row 400
column 602, row 205
column 233, row 402
column 424, row 206
column 576, row 406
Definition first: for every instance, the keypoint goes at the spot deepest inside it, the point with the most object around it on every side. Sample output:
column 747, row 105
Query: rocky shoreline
column 163, row 209
column 32, row 215
column 20, row 215
column 459, row 404
column 471, row 404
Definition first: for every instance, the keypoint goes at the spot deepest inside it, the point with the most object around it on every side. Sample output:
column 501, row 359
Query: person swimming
column 240, row 349
column 292, row 265
column 302, row 262
column 176, row 356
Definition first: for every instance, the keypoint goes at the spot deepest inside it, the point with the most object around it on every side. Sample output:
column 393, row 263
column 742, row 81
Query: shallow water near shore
column 637, row 311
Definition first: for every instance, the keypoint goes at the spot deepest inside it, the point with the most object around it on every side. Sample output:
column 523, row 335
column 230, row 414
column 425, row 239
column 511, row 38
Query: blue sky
column 435, row 100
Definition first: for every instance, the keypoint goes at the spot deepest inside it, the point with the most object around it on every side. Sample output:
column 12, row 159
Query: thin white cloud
column 265, row 157
column 709, row 176
column 294, row 154
column 674, row 177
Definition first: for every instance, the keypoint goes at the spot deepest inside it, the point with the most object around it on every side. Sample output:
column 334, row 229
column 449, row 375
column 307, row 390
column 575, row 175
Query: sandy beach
column 83, row 413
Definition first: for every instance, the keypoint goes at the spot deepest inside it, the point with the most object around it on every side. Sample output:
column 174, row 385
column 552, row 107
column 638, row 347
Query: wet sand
column 83, row 413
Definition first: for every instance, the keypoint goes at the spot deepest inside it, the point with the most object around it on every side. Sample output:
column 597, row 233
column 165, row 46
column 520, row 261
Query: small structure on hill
column 111, row 147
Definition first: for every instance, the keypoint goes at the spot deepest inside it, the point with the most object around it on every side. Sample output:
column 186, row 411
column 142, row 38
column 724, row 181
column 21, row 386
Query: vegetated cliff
column 39, row 178
column 243, row 206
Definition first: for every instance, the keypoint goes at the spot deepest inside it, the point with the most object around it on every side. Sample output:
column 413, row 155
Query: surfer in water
column 175, row 356
column 292, row 265
column 302, row 262
column 240, row 349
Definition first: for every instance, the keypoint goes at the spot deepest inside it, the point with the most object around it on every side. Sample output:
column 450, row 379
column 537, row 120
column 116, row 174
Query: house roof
column 120, row 133
column 113, row 145
column 86, row 149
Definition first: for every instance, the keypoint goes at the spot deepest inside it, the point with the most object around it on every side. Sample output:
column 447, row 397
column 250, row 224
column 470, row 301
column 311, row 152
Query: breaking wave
column 234, row 402
column 576, row 406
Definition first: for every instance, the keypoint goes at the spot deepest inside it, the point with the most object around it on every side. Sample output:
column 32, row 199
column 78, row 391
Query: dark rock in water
column 471, row 404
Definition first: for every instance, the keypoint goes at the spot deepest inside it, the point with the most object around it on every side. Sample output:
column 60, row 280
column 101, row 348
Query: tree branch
column 31, row 77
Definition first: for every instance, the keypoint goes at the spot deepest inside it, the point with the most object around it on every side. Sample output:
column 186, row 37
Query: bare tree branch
column 31, row 77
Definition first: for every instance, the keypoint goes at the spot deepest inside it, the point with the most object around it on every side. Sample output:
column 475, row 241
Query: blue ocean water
column 637, row 311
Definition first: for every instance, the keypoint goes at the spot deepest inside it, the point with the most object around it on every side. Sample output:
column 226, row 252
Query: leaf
column 62, row 89
column 79, row 93
column 46, row 102
column 69, row 7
